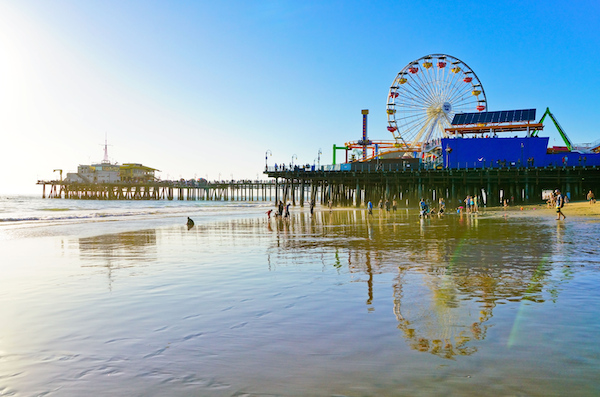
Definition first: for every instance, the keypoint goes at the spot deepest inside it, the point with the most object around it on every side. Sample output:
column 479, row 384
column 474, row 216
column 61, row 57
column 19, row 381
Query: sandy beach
column 572, row 209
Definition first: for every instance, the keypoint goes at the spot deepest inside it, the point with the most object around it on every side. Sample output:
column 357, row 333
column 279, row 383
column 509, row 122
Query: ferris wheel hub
column 435, row 112
column 447, row 107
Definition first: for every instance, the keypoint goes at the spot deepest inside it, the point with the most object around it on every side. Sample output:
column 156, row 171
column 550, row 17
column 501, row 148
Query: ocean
column 121, row 298
column 26, row 215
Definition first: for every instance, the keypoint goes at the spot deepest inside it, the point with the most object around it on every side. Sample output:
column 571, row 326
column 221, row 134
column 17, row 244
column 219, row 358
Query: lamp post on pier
column 448, row 151
column 319, row 158
column 292, row 165
column 267, row 154
column 521, row 159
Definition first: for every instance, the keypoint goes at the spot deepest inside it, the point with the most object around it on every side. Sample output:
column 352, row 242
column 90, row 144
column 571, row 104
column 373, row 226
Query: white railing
column 432, row 145
column 586, row 146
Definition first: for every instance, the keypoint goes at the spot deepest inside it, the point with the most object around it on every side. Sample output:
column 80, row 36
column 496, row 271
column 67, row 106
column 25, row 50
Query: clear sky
column 202, row 88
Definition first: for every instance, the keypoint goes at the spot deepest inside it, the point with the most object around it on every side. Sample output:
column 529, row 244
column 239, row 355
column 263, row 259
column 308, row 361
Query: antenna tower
column 105, row 160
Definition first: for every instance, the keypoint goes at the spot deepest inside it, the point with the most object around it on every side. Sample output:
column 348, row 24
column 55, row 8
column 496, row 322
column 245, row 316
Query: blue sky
column 202, row 88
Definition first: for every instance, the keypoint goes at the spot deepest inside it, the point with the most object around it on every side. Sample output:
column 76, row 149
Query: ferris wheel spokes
column 427, row 93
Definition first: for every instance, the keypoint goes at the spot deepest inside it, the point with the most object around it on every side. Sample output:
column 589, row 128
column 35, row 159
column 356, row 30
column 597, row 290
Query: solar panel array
column 504, row 116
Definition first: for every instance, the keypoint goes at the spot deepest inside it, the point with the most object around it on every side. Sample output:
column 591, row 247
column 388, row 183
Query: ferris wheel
column 426, row 95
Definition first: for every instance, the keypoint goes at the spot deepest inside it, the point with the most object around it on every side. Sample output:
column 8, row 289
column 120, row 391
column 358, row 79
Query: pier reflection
column 450, row 273
column 112, row 252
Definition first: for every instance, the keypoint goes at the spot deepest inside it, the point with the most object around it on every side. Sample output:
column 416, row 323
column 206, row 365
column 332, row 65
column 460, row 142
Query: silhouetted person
column 591, row 197
column 190, row 223
column 287, row 211
column 560, row 202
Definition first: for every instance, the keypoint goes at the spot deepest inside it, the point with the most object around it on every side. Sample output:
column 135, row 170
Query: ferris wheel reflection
column 451, row 273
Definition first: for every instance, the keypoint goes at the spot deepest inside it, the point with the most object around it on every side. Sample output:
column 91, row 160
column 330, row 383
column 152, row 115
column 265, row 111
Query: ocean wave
column 66, row 218
column 71, row 214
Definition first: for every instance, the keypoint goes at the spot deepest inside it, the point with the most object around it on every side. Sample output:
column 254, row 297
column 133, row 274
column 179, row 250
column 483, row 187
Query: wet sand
column 340, row 303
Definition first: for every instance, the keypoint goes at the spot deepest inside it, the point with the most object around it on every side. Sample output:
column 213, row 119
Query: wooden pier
column 371, row 182
column 519, row 185
column 161, row 190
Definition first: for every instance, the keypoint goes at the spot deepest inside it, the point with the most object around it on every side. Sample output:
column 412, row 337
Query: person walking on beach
column 380, row 205
column 287, row 210
column 370, row 207
column 442, row 208
column 387, row 205
column 330, row 205
column 591, row 197
column 280, row 208
column 269, row 214
column 560, row 202
column 424, row 208
column 394, row 205
column 312, row 206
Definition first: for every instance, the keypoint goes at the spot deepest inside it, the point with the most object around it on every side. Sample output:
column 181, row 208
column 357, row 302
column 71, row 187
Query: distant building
column 112, row 173
column 105, row 172
column 96, row 173
column 132, row 172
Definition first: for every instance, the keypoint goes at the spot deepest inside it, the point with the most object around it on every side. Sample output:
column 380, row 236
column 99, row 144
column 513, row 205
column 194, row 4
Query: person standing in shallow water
column 560, row 202
column 370, row 207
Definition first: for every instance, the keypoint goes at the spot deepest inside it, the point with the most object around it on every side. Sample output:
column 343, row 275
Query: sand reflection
column 112, row 252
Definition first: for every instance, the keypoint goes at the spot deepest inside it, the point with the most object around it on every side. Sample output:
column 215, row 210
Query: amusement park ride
column 435, row 97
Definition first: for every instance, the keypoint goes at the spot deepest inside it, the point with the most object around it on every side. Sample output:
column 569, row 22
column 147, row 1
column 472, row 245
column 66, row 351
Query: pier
column 355, row 187
column 374, row 182
column 161, row 190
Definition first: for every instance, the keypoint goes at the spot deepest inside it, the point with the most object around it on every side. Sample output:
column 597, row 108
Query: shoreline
column 578, row 209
